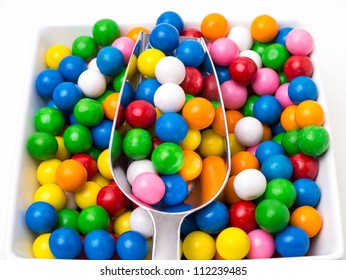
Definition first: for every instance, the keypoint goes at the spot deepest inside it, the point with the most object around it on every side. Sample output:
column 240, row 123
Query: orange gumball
column 134, row 32
column 110, row 105
column 71, row 175
column 218, row 124
column 199, row 113
column 192, row 166
column 243, row 160
column 264, row 28
column 229, row 194
column 214, row 26
column 308, row 219
column 309, row 112
column 232, row 117
column 287, row 118
column 267, row 133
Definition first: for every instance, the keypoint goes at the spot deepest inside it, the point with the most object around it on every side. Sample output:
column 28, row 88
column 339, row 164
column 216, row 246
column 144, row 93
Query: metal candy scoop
column 203, row 190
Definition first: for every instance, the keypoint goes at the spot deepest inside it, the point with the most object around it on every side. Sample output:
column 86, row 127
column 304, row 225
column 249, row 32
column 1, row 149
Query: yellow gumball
column 199, row 245
column 234, row 145
column 100, row 180
column 103, row 165
column 45, row 172
column 40, row 247
column 55, row 54
column 52, row 194
column 132, row 67
column 122, row 223
column 192, row 140
column 232, row 244
column 62, row 152
column 212, row 144
column 147, row 61
column 87, row 195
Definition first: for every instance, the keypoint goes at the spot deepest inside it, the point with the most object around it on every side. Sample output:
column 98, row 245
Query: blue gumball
column 127, row 95
column 101, row 134
column 281, row 35
column 65, row 114
column 308, row 192
column 267, row 109
column 66, row 95
column 131, row 245
column 213, row 218
column 110, row 61
column 277, row 128
column 277, row 166
column 222, row 73
column 292, row 242
column 266, row 149
column 302, row 88
column 191, row 53
column 71, row 67
column 72, row 119
column 171, row 127
column 41, row 217
column 46, row 81
column 99, row 245
column 172, row 18
column 165, row 37
column 189, row 224
column 176, row 189
column 65, row 243
column 146, row 90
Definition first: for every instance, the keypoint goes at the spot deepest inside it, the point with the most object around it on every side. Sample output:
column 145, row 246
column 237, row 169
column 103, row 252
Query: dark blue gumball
column 277, row 166
column 189, row 224
column 101, row 134
column 308, row 192
column 71, row 67
column 267, row 109
column 302, row 88
column 165, row 37
column 46, row 81
column 222, row 73
column 127, row 94
column 281, row 35
column 146, row 90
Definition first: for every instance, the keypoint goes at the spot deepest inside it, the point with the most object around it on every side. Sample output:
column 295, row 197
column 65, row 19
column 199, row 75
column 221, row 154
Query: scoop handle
column 166, row 241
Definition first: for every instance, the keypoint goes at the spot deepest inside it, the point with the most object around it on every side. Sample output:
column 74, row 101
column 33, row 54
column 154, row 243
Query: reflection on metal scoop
column 203, row 190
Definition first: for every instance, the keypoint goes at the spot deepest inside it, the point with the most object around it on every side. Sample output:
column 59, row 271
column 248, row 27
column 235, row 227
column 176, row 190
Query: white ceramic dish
column 327, row 245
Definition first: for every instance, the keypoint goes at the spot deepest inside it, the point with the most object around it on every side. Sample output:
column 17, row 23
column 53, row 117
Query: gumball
column 77, row 138
column 241, row 36
column 248, row 131
column 223, row 51
column 146, row 90
column 214, row 26
column 92, row 83
column 242, row 215
column 259, row 47
column 137, row 167
column 192, row 32
column 222, row 73
column 62, row 152
column 137, row 143
column 169, row 97
column 140, row 114
column 46, row 81
column 148, row 187
column 292, row 242
column 40, row 247
column 252, row 55
column 176, row 189
column 84, row 47
column 192, row 140
column 167, row 158
column 264, row 28
column 299, row 42
column 275, row 56
column 71, row 175
column 99, row 245
column 313, row 140
column 86, row 196
column 250, row 184
column 304, row 166
column 110, row 61
column 308, row 192
column 266, row 149
column 243, row 160
column 45, row 172
column 148, row 60
column 65, row 243
column 262, row 244
column 234, row 94
column 282, row 35
column 68, row 217
column 164, row 37
column 141, row 222
column 42, row 145
column 190, row 52
column 134, row 32
column 243, row 70
column 109, row 108
column 88, row 112
column 52, row 194
column 281, row 189
column 272, row 215
column 302, row 88
column 298, row 65
column 172, row 18
column 91, row 218
column 308, row 219
column 267, row 109
column 122, row 223
column 41, row 217
column 49, row 119
column 232, row 244
column 105, row 31
column 193, row 81
column 170, row 70
column 199, row 245
column 101, row 134
column 199, row 113
column 212, row 144
column 266, row 81
column 309, row 112
column 131, row 245
column 288, row 118
column 125, row 45
column 277, row 166
column 281, row 95
column 103, row 164
column 210, row 88
column 290, row 142
column 276, row 128
column 192, row 166
column 71, row 67
column 112, row 199
column 66, row 95
column 218, row 124
column 55, row 54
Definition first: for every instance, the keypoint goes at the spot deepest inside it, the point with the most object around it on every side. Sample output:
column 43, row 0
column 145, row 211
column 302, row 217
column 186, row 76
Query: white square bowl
column 327, row 245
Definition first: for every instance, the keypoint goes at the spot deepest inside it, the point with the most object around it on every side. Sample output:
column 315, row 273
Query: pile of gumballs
column 275, row 131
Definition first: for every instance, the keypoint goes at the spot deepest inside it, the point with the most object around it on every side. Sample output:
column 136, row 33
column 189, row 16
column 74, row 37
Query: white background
column 19, row 19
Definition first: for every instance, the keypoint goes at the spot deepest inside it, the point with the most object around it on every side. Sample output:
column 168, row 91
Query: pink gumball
column 299, row 42
column 252, row 149
column 266, row 81
column 281, row 95
column 223, row 51
column 234, row 94
column 148, row 187
column 262, row 244
column 125, row 45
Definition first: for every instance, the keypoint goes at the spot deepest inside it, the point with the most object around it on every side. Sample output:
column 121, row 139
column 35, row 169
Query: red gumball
column 140, row 114
column 209, row 90
column 120, row 116
column 242, row 215
column 242, row 70
column 112, row 199
column 193, row 81
column 192, row 32
column 88, row 162
column 156, row 141
column 304, row 166
column 298, row 65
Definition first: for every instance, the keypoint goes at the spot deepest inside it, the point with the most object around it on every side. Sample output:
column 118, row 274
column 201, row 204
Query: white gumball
column 141, row 222
column 170, row 70
column 92, row 65
column 254, row 56
column 92, row 83
column 249, row 184
column 169, row 97
column 248, row 131
column 241, row 36
column 138, row 167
